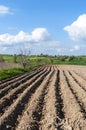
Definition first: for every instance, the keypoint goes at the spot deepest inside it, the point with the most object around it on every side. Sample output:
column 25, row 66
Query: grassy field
column 40, row 60
column 9, row 68
column 7, row 73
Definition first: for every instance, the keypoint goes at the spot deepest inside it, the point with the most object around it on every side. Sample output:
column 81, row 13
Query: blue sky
column 43, row 26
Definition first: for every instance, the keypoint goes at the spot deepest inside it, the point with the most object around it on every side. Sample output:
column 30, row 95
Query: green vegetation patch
column 7, row 73
column 35, row 62
column 45, row 59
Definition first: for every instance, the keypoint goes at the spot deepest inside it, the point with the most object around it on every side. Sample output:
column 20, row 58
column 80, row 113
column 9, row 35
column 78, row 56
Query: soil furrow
column 10, row 97
column 21, row 78
column 16, row 84
column 79, row 93
column 52, row 97
column 49, row 114
column 9, row 118
column 81, row 82
column 18, row 76
column 82, row 75
column 59, row 100
column 74, row 119
column 31, row 117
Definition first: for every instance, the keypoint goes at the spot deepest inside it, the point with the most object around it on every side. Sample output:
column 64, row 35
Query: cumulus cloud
column 37, row 35
column 77, row 30
column 38, row 41
column 4, row 10
column 75, row 48
column 40, row 34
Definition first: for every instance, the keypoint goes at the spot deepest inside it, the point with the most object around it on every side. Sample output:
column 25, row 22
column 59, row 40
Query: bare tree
column 24, row 53
column 14, row 58
column 1, row 58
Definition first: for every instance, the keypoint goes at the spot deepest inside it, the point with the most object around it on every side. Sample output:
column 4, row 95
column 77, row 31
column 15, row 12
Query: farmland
column 11, row 65
column 51, row 97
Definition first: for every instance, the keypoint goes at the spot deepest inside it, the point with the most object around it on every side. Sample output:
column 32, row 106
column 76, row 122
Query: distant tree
column 51, row 60
column 70, row 58
column 24, row 53
column 1, row 58
column 62, row 58
column 41, row 54
column 14, row 58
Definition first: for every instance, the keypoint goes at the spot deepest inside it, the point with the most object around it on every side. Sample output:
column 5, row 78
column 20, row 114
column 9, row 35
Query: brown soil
column 48, row 98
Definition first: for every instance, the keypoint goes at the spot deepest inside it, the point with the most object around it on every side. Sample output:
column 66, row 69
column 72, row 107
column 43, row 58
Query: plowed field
column 48, row 98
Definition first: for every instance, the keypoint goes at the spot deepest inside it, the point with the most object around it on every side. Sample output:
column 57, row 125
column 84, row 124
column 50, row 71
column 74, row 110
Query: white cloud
column 75, row 48
column 77, row 30
column 40, row 34
column 4, row 10
column 37, row 35
column 59, row 50
column 39, row 41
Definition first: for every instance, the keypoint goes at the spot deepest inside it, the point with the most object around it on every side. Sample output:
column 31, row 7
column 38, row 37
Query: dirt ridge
column 49, row 98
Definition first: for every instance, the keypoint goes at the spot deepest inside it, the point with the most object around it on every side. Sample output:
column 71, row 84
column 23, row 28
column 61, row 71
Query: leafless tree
column 24, row 53
column 14, row 58
column 1, row 58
